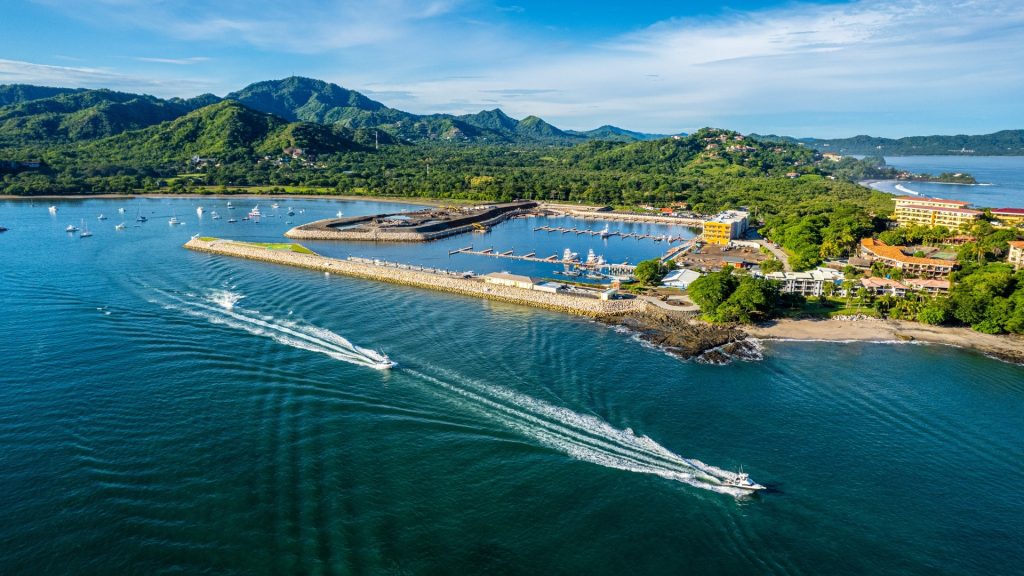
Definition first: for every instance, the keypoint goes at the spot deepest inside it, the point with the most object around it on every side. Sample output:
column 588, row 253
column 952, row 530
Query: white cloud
column 175, row 61
column 18, row 72
column 791, row 70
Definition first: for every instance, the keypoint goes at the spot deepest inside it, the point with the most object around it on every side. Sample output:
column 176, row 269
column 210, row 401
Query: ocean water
column 1002, row 178
column 164, row 411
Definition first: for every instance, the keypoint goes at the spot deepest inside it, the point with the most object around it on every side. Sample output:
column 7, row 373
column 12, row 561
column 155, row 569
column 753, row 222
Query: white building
column 810, row 283
column 681, row 278
column 507, row 279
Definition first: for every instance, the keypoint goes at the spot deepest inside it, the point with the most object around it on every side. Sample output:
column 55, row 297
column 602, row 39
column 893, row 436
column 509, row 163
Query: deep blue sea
column 169, row 412
column 1001, row 179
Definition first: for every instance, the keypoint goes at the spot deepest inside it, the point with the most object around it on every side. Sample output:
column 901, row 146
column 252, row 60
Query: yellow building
column 725, row 227
column 933, row 212
column 1009, row 216
column 1016, row 255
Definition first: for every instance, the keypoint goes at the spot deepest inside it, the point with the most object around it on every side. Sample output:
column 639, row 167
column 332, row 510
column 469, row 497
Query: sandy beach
column 1005, row 347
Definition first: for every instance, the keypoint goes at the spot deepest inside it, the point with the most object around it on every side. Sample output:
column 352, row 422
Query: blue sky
column 812, row 68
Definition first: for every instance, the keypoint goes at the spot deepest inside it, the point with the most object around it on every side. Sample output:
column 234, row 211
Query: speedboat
column 380, row 360
column 742, row 481
column 71, row 228
column 174, row 221
column 120, row 226
column 275, row 205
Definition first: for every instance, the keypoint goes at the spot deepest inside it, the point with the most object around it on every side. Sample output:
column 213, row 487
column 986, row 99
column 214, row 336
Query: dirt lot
column 711, row 255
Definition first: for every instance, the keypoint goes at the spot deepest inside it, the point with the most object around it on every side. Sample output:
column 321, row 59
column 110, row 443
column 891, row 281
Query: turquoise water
column 1003, row 176
column 163, row 411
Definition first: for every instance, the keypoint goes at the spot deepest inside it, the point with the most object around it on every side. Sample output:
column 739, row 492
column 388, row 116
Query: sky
column 828, row 68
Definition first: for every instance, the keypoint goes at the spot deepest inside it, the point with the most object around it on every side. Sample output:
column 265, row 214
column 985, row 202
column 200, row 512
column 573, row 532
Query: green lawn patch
column 283, row 246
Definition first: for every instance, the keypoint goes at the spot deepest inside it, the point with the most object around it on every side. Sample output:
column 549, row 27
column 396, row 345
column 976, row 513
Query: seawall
column 578, row 305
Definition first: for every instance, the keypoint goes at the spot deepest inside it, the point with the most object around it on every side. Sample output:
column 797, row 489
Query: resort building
column 933, row 212
column 893, row 256
column 1009, row 216
column 1016, row 255
column 884, row 286
column 726, row 226
column 928, row 285
column 809, row 283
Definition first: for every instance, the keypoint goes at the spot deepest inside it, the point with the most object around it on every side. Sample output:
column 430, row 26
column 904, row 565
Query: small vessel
column 71, row 228
column 214, row 215
column 380, row 360
column 101, row 217
column 174, row 220
column 53, row 209
column 255, row 212
column 275, row 205
column 199, row 211
column 605, row 233
column 120, row 226
column 570, row 256
column 742, row 480
column 85, row 230
column 232, row 220
column 140, row 217
column 231, row 206
column 120, row 210
column 339, row 214
column 291, row 212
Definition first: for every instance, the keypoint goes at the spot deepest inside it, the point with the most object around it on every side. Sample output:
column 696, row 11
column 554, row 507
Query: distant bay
column 1001, row 179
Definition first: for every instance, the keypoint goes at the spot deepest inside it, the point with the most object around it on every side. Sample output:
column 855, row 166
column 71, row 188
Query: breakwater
column 570, row 304
column 363, row 229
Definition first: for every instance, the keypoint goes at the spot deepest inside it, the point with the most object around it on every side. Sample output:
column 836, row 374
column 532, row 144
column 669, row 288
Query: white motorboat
column 71, row 228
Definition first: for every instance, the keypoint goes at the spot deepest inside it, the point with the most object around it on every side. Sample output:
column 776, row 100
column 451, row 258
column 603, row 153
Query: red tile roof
column 1009, row 211
column 879, row 248
column 926, row 199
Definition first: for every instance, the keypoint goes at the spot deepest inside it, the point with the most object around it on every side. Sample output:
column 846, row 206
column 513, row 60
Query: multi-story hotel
column 912, row 265
column 933, row 212
column 1009, row 216
column 1016, row 255
column 725, row 227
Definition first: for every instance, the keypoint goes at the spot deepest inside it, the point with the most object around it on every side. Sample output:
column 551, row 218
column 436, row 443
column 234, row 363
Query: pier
column 621, row 268
column 609, row 233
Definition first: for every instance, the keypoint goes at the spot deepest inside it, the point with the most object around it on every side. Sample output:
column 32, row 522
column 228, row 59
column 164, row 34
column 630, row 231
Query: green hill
column 18, row 93
column 84, row 115
column 227, row 132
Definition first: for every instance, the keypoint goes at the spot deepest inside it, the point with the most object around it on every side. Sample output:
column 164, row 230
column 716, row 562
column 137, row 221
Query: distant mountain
column 226, row 131
column 616, row 134
column 1003, row 143
column 18, row 93
column 85, row 115
column 33, row 115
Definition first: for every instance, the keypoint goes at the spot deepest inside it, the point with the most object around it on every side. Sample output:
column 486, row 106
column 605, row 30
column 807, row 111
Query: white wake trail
column 220, row 308
column 580, row 436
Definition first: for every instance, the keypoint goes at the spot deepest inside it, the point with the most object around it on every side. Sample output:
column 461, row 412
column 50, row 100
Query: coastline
column 1009, row 348
column 395, row 199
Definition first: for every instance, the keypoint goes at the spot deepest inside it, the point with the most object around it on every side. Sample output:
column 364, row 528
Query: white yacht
column 71, row 228
column 255, row 212
column 53, row 209
column 199, row 211
column 742, row 480
column 339, row 214
column 120, row 226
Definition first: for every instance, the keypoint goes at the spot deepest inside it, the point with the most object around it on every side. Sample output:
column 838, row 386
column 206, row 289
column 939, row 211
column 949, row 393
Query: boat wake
column 219, row 307
column 580, row 436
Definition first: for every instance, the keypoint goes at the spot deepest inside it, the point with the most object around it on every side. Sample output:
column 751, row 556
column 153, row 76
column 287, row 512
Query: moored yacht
column 71, row 228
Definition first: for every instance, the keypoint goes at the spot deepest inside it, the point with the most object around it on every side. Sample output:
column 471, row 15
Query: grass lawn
column 283, row 246
column 836, row 307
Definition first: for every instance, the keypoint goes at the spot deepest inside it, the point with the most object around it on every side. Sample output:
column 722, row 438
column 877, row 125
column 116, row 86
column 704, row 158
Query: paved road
column 778, row 252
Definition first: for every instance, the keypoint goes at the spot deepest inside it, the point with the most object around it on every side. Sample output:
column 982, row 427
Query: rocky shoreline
column 689, row 339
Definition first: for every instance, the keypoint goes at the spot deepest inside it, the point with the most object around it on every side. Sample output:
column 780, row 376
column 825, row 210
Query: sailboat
column 140, row 218
column 85, row 230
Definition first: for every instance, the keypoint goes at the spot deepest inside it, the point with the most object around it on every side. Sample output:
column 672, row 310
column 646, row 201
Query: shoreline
column 394, row 199
column 1006, row 347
